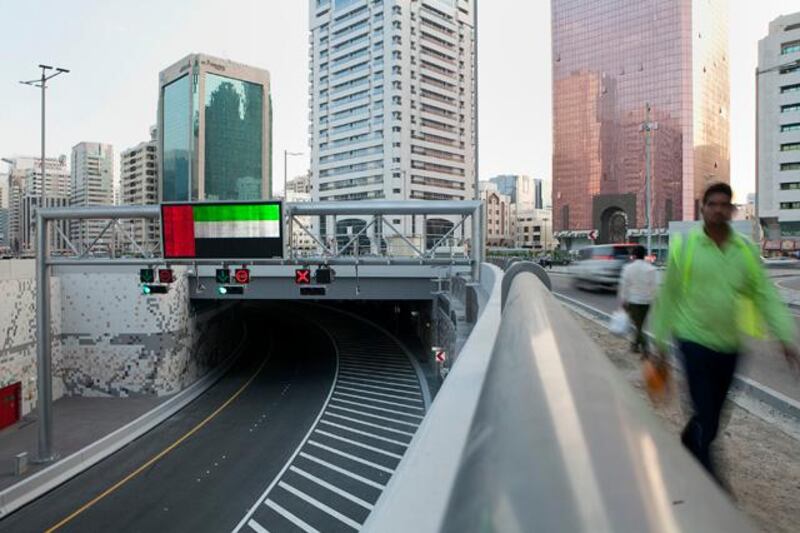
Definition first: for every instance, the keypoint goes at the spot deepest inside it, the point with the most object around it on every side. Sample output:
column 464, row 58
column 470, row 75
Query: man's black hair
column 718, row 187
column 639, row 252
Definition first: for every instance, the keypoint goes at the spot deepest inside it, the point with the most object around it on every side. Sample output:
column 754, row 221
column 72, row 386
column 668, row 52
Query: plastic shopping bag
column 620, row 323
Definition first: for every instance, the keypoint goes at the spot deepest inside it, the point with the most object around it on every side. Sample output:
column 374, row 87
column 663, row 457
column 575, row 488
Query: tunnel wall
column 108, row 338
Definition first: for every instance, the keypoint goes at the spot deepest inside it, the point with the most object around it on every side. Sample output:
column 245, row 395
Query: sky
column 115, row 51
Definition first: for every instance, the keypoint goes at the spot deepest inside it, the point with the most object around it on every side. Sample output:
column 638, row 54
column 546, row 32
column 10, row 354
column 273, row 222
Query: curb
column 787, row 407
column 54, row 475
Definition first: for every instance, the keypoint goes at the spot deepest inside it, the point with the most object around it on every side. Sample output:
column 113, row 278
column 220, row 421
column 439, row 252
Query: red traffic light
column 242, row 276
column 302, row 276
column 165, row 275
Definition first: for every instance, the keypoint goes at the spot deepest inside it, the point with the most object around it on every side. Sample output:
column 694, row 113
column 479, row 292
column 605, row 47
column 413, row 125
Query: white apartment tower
column 391, row 101
column 28, row 188
column 139, row 186
column 778, row 130
column 92, row 170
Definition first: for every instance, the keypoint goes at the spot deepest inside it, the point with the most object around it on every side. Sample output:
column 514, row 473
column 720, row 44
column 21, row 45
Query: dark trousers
column 638, row 314
column 709, row 375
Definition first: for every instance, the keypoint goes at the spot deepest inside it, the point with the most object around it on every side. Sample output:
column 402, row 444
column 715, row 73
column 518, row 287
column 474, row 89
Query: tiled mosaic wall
column 109, row 339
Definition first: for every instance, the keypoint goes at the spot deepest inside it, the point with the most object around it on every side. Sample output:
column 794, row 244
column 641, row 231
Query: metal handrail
column 557, row 441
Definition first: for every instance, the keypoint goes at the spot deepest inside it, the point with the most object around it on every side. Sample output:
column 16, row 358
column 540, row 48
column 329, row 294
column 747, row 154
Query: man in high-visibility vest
column 715, row 292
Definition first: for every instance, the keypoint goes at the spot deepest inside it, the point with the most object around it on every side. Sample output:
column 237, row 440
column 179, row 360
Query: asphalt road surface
column 304, row 431
column 762, row 361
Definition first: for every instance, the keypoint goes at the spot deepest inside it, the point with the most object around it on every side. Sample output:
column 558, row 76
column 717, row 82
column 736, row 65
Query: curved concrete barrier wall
column 557, row 441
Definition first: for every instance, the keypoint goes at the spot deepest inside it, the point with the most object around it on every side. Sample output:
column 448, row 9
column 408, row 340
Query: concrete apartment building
column 610, row 60
column 92, row 178
column 215, row 124
column 391, row 103
column 778, row 134
column 499, row 216
column 138, row 185
column 28, row 188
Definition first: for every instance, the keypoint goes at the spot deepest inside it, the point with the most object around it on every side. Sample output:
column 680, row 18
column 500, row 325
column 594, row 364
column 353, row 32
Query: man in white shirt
column 637, row 288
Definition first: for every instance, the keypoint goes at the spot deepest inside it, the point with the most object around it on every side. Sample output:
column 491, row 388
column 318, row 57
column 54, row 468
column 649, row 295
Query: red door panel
column 10, row 404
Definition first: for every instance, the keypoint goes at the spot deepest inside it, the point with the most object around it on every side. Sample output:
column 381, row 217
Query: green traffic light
column 222, row 290
column 147, row 275
column 145, row 289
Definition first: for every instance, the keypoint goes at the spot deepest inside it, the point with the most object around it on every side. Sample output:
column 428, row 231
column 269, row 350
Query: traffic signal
column 302, row 276
column 154, row 289
column 324, row 275
column 165, row 275
column 242, row 276
column 230, row 289
column 223, row 275
column 147, row 275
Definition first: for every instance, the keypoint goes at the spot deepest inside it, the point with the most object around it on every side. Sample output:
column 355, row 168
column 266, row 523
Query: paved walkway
column 77, row 422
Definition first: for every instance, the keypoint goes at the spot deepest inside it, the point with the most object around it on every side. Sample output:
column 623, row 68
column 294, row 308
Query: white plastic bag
column 620, row 323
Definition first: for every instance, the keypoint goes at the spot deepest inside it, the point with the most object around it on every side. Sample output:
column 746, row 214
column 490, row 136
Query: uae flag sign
column 222, row 230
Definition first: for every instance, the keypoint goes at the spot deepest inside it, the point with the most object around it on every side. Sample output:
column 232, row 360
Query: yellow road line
column 158, row 456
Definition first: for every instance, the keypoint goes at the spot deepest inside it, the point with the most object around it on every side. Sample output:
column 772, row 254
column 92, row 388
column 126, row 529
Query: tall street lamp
column 286, row 155
column 41, row 83
column 44, row 363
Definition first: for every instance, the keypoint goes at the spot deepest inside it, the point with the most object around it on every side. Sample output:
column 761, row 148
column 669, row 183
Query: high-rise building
column 778, row 131
column 30, row 188
column 392, row 102
column 92, row 179
column 521, row 189
column 139, row 186
column 215, row 129
column 4, row 241
column 299, row 184
column 610, row 60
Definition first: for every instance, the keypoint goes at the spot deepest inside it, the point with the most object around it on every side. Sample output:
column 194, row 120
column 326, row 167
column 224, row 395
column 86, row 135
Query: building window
column 789, row 108
column 790, row 166
column 790, row 88
column 791, row 186
column 790, row 48
column 795, row 126
column 790, row 147
column 790, row 205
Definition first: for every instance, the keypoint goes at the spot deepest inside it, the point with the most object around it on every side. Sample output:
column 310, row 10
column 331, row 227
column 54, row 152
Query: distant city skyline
column 111, row 94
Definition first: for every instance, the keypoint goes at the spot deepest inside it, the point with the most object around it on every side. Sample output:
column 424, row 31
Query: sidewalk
column 760, row 463
column 77, row 422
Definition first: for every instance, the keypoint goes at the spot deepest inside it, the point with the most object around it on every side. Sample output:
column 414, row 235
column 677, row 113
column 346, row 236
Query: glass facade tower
column 610, row 59
column 214, row 119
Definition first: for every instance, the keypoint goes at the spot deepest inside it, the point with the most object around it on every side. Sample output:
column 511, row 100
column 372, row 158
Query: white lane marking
column 401, row 365
column 333, row 488
column 324, row 406
column 373, row 375
column 389, row 375
column 343, row 471
column 359, row 444
column 394, row 386
column 370, row 424
column 319, row 505
column 381, row 394
column 255, row 526
column 384, row 409
column 351, row 456
column 358, row 412
column 387, row 402
column 290, row 517
column 364, row 433
column 384, row 369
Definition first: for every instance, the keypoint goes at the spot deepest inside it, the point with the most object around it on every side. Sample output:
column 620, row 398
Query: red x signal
column 302, row 276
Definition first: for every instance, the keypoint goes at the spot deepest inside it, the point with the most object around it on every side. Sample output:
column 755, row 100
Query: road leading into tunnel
column 201, row 469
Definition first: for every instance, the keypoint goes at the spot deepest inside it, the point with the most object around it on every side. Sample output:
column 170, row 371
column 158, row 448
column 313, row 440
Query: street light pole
column 286, row 155
column 42, row 84
column 648, row 127
column 43, row 356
